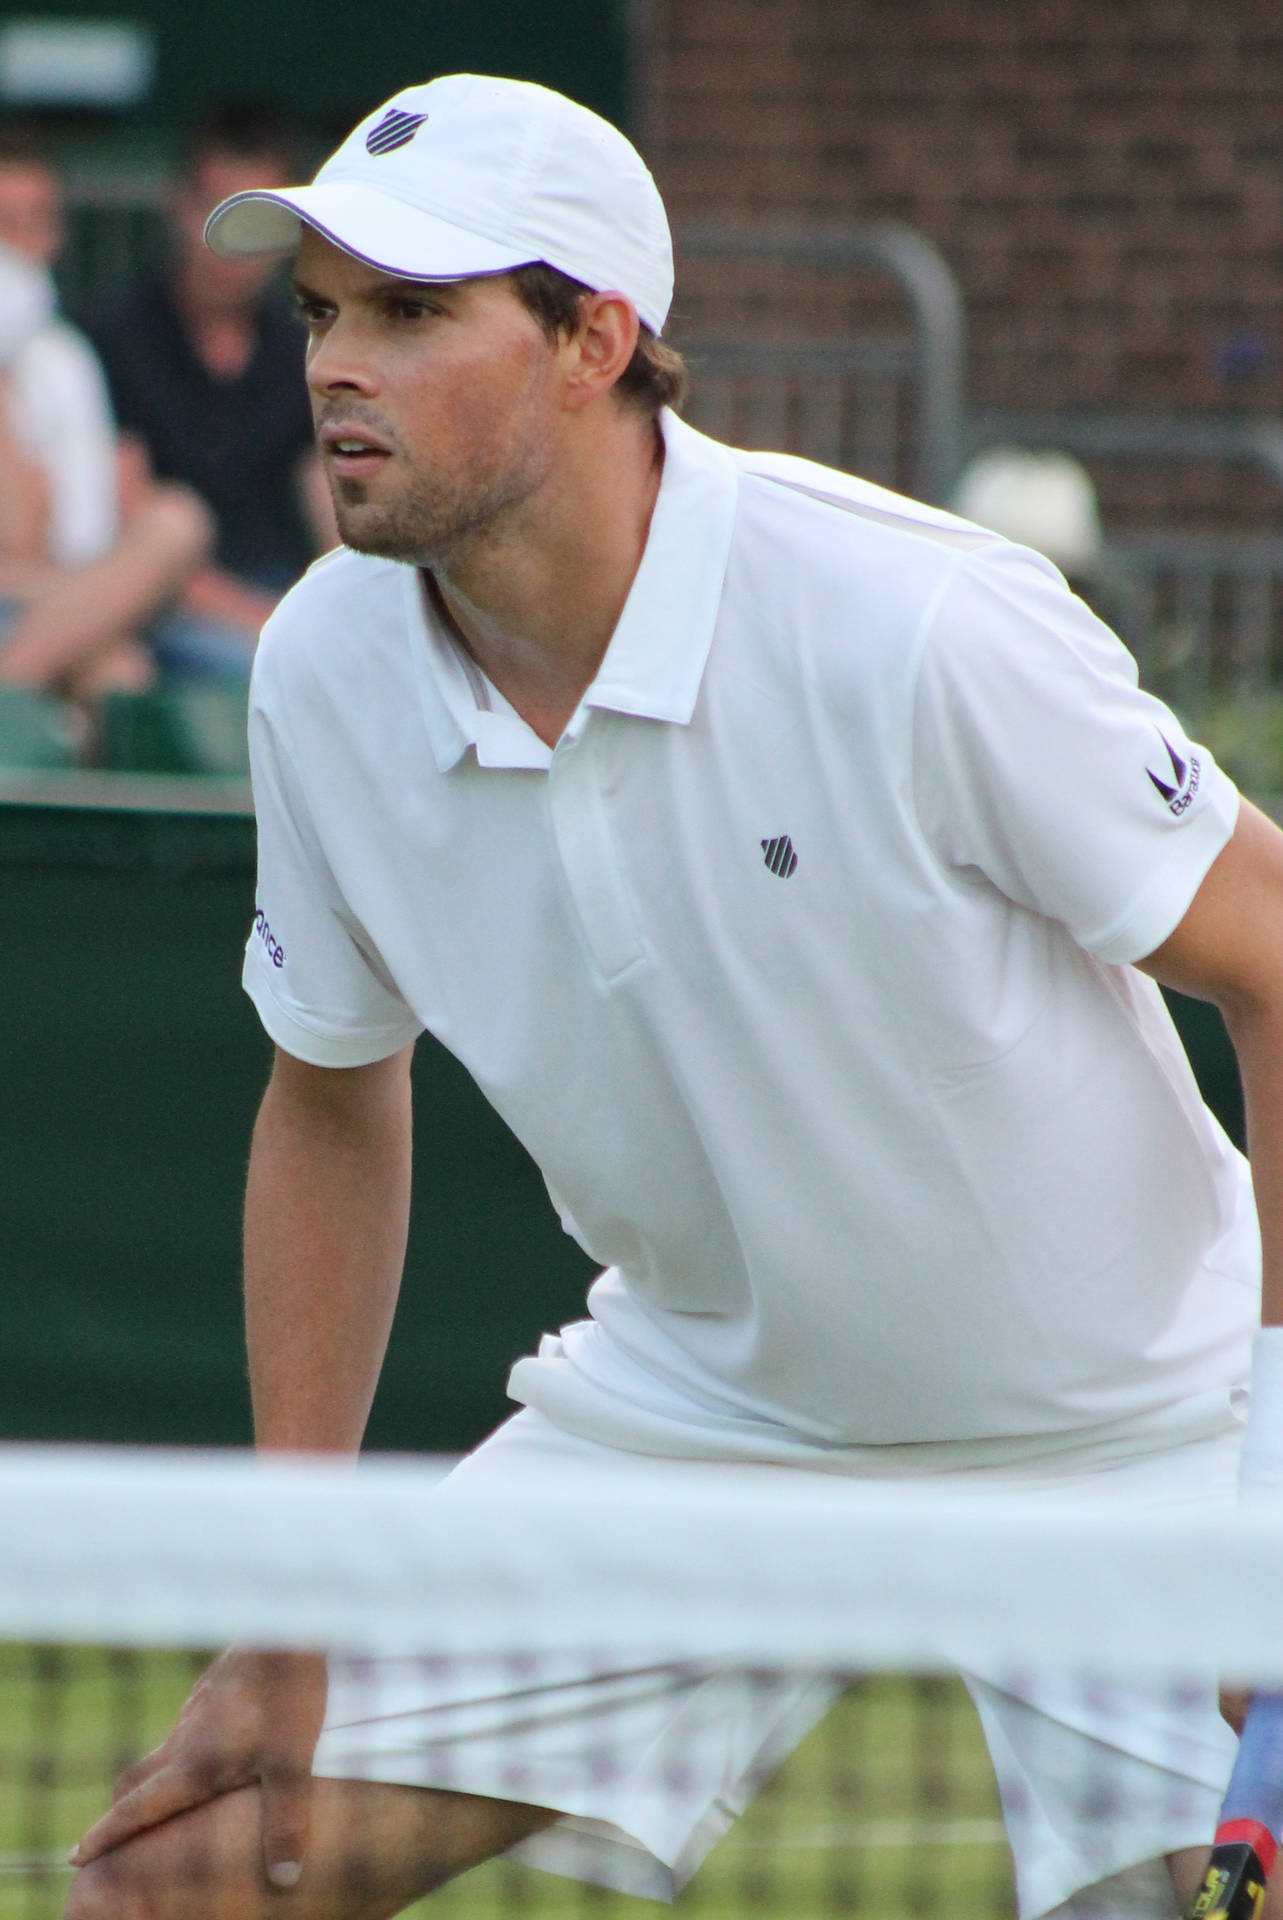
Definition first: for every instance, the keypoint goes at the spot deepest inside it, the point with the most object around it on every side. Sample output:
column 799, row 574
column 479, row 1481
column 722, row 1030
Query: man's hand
column 252, row 1719
column 1234, row 1703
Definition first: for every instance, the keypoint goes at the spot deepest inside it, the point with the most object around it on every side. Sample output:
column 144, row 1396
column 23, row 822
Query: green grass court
column 887, row 1810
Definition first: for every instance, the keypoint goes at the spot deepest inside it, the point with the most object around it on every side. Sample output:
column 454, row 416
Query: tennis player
column 791, row 864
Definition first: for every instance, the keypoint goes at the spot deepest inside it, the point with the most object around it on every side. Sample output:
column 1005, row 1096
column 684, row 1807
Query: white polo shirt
column 799, row 967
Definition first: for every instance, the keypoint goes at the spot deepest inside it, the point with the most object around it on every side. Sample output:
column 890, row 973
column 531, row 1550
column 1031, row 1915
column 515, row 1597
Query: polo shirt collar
column 453, row 714
column 655, row 662
column 657, row 654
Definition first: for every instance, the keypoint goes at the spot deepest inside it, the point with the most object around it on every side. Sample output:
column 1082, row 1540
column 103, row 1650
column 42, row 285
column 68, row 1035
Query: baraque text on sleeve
column 262, row 927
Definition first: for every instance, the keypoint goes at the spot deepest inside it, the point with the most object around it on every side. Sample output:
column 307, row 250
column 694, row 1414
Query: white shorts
column 651, row 1766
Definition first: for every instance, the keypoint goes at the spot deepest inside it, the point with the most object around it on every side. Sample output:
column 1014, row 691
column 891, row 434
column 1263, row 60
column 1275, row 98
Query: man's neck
column 536, row 609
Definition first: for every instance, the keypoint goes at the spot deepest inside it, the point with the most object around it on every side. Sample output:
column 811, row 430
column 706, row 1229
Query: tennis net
column 120, row 1571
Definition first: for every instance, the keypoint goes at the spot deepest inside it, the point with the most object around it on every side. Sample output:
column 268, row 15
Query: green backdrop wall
column 133, row 1065
column 333, row 60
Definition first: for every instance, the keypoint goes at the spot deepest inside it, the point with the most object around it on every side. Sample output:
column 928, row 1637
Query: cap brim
column 373, row 227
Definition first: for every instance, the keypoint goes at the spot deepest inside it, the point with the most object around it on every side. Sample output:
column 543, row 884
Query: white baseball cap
column 473, row 175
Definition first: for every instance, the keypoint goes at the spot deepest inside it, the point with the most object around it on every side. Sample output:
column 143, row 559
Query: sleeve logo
column 262, row 931
column 1184, row 773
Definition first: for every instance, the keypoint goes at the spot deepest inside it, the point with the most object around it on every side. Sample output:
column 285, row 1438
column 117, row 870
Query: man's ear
column 600, row 348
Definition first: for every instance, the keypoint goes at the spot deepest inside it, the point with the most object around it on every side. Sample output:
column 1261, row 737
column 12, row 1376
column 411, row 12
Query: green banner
column 133, row 1069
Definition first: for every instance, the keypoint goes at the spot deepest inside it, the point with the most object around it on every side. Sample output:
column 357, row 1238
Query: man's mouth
column 352, row 455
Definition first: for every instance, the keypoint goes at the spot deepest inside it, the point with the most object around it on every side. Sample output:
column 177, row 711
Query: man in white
column 778, row 855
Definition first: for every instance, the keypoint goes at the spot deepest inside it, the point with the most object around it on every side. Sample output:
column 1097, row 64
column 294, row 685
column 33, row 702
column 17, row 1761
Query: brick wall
column 1104, row 176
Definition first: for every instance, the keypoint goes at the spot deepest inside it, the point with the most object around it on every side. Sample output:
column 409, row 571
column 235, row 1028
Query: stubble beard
column 432, row 523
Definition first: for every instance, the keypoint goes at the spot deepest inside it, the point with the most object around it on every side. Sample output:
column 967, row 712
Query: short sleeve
column 319, row 988
column 1040, row 764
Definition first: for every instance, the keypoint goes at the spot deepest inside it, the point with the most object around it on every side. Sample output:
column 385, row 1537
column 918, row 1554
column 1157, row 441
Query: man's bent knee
column 96, row 1894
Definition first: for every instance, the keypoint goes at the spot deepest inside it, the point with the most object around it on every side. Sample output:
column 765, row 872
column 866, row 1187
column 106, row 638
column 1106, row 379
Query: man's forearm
column 218, row 595
column 326, row 1215
column 1257, row 1033
column 1229, row 949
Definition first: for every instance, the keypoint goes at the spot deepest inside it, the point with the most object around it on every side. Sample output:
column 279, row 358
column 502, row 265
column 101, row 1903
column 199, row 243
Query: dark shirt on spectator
column 238, row 442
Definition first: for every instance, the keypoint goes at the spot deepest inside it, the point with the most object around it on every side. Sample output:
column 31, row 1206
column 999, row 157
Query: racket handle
column 1251, row 1820
column 1255, row 1791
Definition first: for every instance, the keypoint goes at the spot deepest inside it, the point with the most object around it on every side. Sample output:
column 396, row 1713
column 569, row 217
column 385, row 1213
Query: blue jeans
column 195, row 646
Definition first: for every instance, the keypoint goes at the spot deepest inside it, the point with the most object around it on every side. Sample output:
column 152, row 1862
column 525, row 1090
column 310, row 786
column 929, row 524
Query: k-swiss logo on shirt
column 1184, row 773
column 394, row 130
column 779, row 855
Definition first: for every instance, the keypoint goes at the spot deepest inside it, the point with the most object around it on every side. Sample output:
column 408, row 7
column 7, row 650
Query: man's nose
column 336, row 361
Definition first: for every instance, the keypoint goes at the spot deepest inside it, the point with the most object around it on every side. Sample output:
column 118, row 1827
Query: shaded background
column 333, row 62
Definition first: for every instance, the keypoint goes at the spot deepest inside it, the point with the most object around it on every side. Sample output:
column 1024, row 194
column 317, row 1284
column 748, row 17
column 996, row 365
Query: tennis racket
column 1251, row 1822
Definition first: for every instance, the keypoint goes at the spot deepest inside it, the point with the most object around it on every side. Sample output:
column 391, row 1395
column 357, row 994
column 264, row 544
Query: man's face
column 30, row 211
column 216, row 177
column 434, row 404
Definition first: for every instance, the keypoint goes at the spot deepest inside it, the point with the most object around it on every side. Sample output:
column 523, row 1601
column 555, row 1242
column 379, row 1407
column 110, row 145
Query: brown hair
column 656, row 375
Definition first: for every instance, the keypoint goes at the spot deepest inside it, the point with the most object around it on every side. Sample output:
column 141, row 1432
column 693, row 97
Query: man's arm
column 80, row 613
column 1229, row 949
column 24, row 494
column 326, row 1214
column 209, row 591
column 216, row 594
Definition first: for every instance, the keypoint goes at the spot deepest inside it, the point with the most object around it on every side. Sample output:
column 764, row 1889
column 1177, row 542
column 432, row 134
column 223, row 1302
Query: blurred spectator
column 77, row 576
column 58, row 402
column 205, row 365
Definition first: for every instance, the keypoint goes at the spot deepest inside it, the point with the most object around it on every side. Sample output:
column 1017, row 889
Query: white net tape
column 146, row 1548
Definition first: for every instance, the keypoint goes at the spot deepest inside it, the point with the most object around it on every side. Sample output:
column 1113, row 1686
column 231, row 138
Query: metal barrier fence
column 1204, row 618
column 1090, row 433
column 1202, row 611
column 887, row 405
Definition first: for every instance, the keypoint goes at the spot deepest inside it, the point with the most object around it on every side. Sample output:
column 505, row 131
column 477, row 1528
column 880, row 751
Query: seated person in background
column 81, row 570
column 205, row 365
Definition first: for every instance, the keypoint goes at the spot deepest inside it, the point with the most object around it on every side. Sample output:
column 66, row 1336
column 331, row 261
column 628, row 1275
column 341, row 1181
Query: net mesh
column 122, row 1572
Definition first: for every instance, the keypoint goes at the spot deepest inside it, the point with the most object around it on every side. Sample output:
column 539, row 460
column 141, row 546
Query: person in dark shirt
column 205, row 367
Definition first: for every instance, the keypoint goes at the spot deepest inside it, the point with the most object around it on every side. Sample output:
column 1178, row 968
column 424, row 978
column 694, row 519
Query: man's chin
column 381, row 542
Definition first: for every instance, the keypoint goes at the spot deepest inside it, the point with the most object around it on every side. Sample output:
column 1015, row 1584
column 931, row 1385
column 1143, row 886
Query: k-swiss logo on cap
column 779, row 855
column 1185, row 773
column 394, row 130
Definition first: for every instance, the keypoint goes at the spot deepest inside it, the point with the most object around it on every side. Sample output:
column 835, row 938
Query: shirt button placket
column 586, row 847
